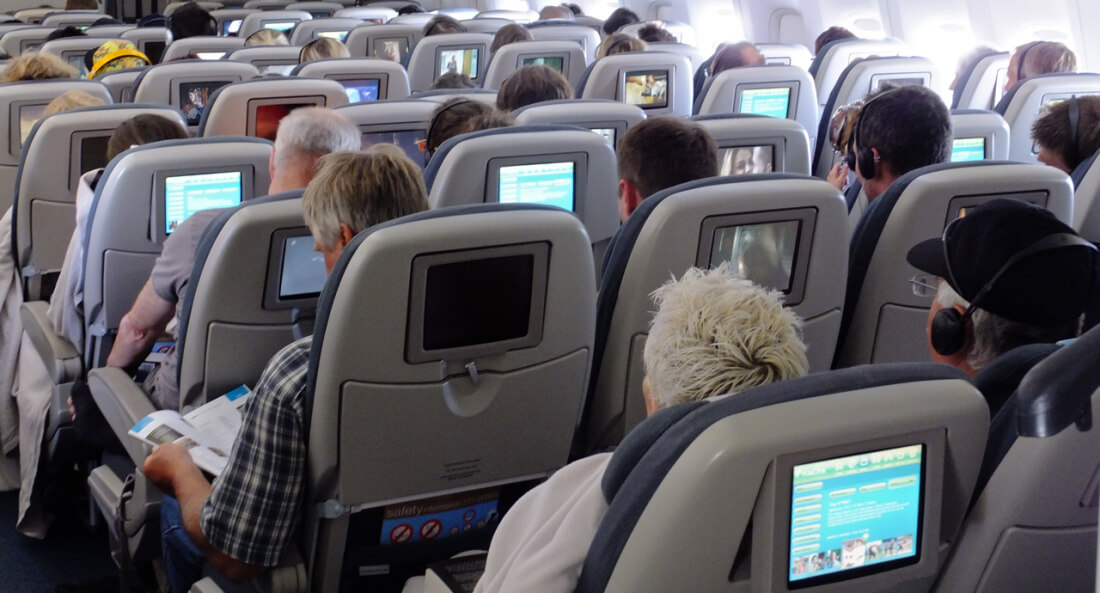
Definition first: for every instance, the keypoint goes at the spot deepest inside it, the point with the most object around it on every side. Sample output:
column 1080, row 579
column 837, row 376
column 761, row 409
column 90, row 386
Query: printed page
column 219, row 421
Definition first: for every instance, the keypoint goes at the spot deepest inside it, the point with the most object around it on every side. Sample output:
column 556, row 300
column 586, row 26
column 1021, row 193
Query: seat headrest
column 1057, row 391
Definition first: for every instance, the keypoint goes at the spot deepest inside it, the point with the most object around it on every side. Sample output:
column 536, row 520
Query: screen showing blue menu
column 185, row 195
column 542, row 183
column 968, row 149
column 855, row 511
column 769, row 102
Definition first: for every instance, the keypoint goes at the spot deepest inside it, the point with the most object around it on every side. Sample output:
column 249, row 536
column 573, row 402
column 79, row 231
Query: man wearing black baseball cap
column 1011, row 274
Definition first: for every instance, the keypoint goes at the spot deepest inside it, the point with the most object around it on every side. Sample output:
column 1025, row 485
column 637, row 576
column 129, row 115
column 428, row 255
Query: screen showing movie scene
column 555, row 63
column 769, row 102
column 210, row 55
column 185, row 195
column 28, row 116
column 648, row 90
column 746, row 160
column 968, row 149
column 93, row 153
column 231, row 27
column 462, row 61
column 283, row 26
column 855, row 511
column 303, row 273
column 194, row 97
column 607, row 133
column 406, row 140
column 393, row 50
column 269, row 116
column 365, row 89
column 338, row 35
column 542, row 183
column 763, row 253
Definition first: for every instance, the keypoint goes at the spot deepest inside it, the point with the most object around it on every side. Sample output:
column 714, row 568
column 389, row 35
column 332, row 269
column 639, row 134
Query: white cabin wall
column 17, row 5
column 1006, row 24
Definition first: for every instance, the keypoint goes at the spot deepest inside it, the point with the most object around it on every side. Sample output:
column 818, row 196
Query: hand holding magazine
column 207, row 432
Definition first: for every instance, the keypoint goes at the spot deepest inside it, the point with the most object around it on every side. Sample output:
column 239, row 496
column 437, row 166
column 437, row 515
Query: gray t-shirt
column 170, row 276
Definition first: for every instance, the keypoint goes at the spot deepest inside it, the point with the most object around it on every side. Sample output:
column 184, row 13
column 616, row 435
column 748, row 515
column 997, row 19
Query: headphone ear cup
column 948, row 333
column 865, row 162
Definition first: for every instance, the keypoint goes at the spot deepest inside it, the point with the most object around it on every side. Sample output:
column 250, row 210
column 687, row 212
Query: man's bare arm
column 140, row 328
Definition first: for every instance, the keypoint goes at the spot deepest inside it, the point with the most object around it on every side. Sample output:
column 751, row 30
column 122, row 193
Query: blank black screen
column 477, row 302
column 93, row 153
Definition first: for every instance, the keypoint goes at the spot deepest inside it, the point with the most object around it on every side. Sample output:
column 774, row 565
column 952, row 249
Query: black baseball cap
column 1050, row 286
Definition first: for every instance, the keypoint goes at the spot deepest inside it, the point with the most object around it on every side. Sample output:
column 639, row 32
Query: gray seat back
column 516, row 16
column 1025, row 102
column 978, row 132
column 128, row 220
column 337, row 28
column 673, row 47
column 683, row 32
column 274, row 59
column 21, row 105
column 71, row 18
column 566, row 54
column 109, row 30
column 254, row 107
column 267, row 5
column 362, row 78
column 229, row 20
column 375, row 15
column 610, row 119
column 499, row 399
column 837, row 56
column 466, row 53
column 787, row 54
column 886, row 314
column 151, row 41
column 386, row 42
column 207, row 48
column 403, row 123
column 15, row 43
column 625, row 77
column 776, row 91
column 486, row 25
column 758, row 144
column 122, row 82
column 60, row 149
column 189, row 85
column 983, row 85
column 318, row 10
column 586, row 37
column 1086, row 199
column 280, row 20
column 34, row 16
column 690, row 225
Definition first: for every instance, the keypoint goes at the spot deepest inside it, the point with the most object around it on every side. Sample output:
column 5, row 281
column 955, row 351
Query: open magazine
column 207, row 432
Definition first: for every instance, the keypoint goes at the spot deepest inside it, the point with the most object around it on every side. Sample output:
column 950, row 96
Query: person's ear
column 629, row 199
column 346, row 235
column 651, row 403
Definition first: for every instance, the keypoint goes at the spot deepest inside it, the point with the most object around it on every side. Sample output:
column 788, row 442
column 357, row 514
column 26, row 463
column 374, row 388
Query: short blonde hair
column 1044, row 57
column 321, row 48
column 619, row 43
column 71, row 100
column 716, row 333
column 361, row 189
column 266, row 37
column 36, row 66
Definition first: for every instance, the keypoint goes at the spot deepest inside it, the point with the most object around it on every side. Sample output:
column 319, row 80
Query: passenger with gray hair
column 304, row 136
column 715, row 334
column 1038, row 57
column 245, row 520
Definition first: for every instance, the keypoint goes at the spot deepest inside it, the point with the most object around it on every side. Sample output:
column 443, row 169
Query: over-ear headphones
column 1073, row 154
column 865, row 157
column 616, row 43
column 429, row 150
column 948, row 331
column 1020, row 62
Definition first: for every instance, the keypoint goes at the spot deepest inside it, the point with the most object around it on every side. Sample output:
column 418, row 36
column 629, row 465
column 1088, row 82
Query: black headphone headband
column 865, row 159
column 428, row 149
column 1073, row 153
column 1020, row 62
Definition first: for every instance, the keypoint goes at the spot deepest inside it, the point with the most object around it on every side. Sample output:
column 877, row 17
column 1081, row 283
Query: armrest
column 122, row 403
column 288, row 577
column 63, row 362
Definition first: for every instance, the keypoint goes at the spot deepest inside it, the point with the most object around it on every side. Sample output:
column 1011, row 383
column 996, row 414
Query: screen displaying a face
column 185, row 195
column 28, row 116
column 607, row 133
column 361, row 90
column 763, row 253
column 855, row 511
column 303, row 271
column 283, row 26
column 648, row 90
column 194, row 97
column 406, row 140
column 555, row 63
column 210, row 55
column 393, row 50
column 543, row 183
column 771, row 102
column 968, row 149
column 93, row 153
column 746, row 160
column 462, row 61
column 269, row 116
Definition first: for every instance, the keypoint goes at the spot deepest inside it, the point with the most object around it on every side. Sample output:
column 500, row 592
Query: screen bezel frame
column 878, row 79
column 631, row 71
column 800, row 267
column 792, row 101
column 223, row 26
column 926, row 563
column 181, row 80
column 15, row 144
column 481, row 50
column 382, row 77
column 520, row 57
column 76, row 140
column 779, row 153
column 580, row 174
column 159, row 218
column 418, row 277
column 252, row 107
column 957, row 203
column 276, row 250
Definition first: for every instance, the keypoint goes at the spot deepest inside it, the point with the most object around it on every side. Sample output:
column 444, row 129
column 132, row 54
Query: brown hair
column 36, row 66
column 143, row 129
column 735, row 55
column 1044, row 57
column 441, row 24
column 509, row 34
column 619, row 43
column 453, row 118
column 532, row 84
column 654, row 33
column 1055, row 132
column 661, row 152
column 830, row 35
column 452, row 80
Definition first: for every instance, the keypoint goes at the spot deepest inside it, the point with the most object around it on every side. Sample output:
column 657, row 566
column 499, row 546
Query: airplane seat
column 1033, row 527
column 683, row 32
column 122, row 83
column 484, row 409
column 627, row 78
column 403, row 122
column 1086, row 198
column 981, row 84
column 886, row 312
column 417, row 19
column 363, row 79
column 394, row 40
column 60, row 149
column 608, row 118
column 998, row 380
column 978, row 134
column 695, row 225
column 575, row 31
column 1024, row 103
column 317, row 10
column 489, row 26
column 487, row 96
column 728, row 495
column 516, row 16
column 835, row 56
column 675, row 47
column 255, row 107
column 151, row 41
column 23, row 104
column 207, row 48
column 73, row 49
column 786, row 54
column 267, row 5
column 467, row 53
column 569, row 168
column 24, row 39
column 702, row 73
column 108, row 30
column 71, row 18
column 227, row 21
column 564, row 56
column 134, row 210
column 375, row 13
column 280, row 20
column 268, row 59
column 772, row 145
column 34, row 16
column 778, row 91
column 188, row 85
column 856, row 81
column 337, row 27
